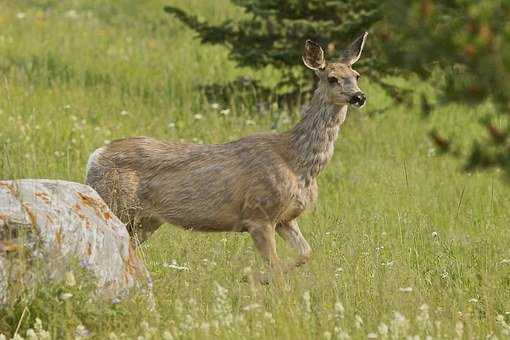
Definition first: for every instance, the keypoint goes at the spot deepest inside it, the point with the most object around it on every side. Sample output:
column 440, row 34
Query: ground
column 402, row 237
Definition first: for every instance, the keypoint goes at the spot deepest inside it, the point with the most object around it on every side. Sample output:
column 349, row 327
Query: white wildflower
column 307, row 305
column 251, row 307
column 459, row 329
column 198, row 116
column 399, row 325
column 406, row 289
column 124, row 113
column 215, row 106
column 112, row 336
column 341, row 334
column 339, row 310
column 473, row 300
column 171, row 125
column 250, row 122
column 71, row 14
column 327, row 335
column 31, row 335
column 21, row 15
column 65, row 296
column 173, row 265
column 205, row 326
column 383, row 329
column 423, row 318
column 434, row 234
column 372, row 335
column 167, row 335
column 269, row 317
column 358, row 321
column 225, row 112
column 81, row 332
column 69, row 279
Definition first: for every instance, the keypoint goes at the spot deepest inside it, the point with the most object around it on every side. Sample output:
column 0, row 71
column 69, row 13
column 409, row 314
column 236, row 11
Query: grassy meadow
column 405, row 243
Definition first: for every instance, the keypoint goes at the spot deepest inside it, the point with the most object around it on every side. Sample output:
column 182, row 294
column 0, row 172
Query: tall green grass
column 402, row 238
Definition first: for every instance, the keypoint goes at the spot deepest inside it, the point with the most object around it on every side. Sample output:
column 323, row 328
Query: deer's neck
column 312, row 140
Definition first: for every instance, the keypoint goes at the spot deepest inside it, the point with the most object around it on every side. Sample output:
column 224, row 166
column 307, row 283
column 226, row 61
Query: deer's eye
column 332, row 80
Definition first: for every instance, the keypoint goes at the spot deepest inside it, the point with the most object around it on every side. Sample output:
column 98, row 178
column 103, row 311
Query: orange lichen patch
column 30, row 213
column 77, row 210
column 107, row 215
column 43, row 197
column 9, row 187
column 6, row 246
column 97, row 205
column 130, row 264
column 58, row 237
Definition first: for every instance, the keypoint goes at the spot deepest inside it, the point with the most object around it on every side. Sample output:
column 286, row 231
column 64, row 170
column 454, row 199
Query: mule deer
column 259, row 184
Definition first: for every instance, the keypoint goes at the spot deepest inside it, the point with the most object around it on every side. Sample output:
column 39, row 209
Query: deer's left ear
column 351, row 54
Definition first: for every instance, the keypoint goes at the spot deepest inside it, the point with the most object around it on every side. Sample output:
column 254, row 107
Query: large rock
column 57, row 221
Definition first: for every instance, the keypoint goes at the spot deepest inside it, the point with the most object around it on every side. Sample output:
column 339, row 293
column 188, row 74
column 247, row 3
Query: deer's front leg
column 290, row 232
column 263, row 235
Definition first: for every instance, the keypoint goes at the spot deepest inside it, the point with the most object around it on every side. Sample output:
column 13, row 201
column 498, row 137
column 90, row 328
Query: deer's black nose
column 358, row 99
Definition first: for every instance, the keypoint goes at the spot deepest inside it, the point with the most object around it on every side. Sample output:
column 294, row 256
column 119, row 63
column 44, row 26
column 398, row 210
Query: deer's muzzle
column 358, row 99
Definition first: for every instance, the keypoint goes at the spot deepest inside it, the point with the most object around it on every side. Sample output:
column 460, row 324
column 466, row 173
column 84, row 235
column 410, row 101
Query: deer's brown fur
column 259, row 184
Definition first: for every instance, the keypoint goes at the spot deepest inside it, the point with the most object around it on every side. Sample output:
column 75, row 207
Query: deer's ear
column 351, row 54
column 313, row 56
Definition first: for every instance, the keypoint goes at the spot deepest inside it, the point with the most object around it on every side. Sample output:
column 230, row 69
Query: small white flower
column 81, row 332
column 251, row 307
column 215, row 106
column 173, row 265
column 124, row 113
column 198, row 116
column 112, row 336
column 371, row 335
column 434, row 234
column 225, row 112
column 167, row 336
column 405, row 289
column 65, row 296
column 327, row 335
column 21, row 15
column 250, row 122
column 70, row 280
column 358, row 321
column 339, row 310
column 71, row 14
column 171, row 125
column 383, row 329
column 31, row 334
column 473, row 300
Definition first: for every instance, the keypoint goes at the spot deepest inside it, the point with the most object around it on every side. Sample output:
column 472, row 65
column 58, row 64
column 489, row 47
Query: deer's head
column 337, row 79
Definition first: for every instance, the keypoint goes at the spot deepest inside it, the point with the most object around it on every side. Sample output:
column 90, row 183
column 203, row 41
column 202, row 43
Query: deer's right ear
column 313, row 56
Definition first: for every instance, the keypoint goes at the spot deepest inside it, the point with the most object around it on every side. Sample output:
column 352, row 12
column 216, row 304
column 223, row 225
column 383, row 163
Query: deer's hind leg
column 263, row 235
column 291, row 233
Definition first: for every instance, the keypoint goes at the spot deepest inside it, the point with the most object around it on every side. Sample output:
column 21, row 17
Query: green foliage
column 469, row 41
column 272, row 33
